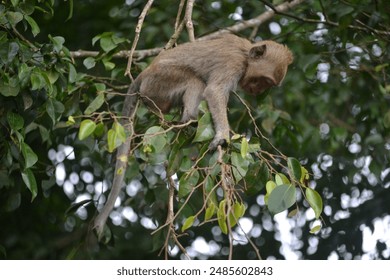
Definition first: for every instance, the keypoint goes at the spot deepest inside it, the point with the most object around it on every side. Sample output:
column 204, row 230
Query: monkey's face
column 266, row 67
column 257, row 85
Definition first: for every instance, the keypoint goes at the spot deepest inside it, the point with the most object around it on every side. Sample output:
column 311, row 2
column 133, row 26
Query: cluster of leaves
column 39, row 86
column 211, row 183
column 34, row 81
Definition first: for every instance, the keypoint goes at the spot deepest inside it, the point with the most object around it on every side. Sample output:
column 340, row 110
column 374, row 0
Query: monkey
column 201, row 70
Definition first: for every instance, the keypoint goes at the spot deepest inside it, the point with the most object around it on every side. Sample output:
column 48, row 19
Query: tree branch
column 251, row 23
column 254, row 21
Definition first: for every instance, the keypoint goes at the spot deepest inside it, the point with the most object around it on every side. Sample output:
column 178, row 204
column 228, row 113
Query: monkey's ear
column 257, row 51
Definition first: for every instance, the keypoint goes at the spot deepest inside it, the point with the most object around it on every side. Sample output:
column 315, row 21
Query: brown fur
column 210, row 70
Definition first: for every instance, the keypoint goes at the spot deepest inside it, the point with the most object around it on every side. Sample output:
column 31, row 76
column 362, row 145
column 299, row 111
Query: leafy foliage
column 317, row 146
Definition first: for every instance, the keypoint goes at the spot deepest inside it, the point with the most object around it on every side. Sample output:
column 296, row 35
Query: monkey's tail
column 128, row 111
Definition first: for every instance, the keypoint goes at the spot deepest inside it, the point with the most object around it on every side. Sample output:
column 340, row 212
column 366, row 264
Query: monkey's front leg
column 217, row 99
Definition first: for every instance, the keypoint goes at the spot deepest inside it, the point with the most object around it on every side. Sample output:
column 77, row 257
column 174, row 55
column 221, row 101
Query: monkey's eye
column 269, row 82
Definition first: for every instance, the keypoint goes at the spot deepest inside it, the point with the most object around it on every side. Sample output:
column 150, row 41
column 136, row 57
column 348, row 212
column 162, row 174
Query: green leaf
column 27, row 7
column 30, row 158
column 72, row 73
column 210, row 211
column 209, row 185
column 281, row 179
column 52, row 76
column 70, row 15
column 221, row 216
column 95, row 39
column 100, row 87
column 34, row 26
column 244, row 147
column 58, row 42
column 315, row 229
column 295, row 168
column 95, row 104
column 210, row 191
column 24, row 74
column 304, row 175
column 29, row 179
column 14, row 17
column 174, row 160
column 120, row 131
column 238, row 211
column 205, row 130
column 15, row 121
column 315, row 201
column 293, row 213
column 270, row 186
column 70, row 121
column 15, row 2
column 188, row 223
column 187, row 182
column 380, row 67
column 89, row 62
column 99, row 130
column 86, row 128
column 9, row 89
column 118, row 40
column 58, row 106
column 281, row 198
column 106, row 42
column 155, row 137
column 50, row 110
column 45, row 135
column 13, row 49
column 113, row 139
column 108, row 65
column 256, row 178
column 240, row 166
column 37, row 80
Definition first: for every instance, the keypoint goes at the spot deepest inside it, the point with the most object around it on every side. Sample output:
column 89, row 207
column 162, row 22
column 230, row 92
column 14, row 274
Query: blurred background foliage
column 332, row 113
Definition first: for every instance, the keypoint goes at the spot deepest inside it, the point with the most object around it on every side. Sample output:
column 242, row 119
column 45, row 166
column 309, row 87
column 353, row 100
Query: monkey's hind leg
column 191, row 99
column 217, row 99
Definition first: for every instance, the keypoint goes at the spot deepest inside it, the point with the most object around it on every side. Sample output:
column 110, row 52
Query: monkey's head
column 266, row 66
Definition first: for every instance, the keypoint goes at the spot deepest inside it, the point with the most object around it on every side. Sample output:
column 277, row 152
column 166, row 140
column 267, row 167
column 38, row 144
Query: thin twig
column 188, row 20
column 175, row 36
column 170, row 221
column 32, row 46
column 136, row 38
column 257, row 129
column 180, row 10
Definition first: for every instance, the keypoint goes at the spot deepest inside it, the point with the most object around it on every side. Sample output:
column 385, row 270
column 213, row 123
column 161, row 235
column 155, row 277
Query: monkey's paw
column 218, row 141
